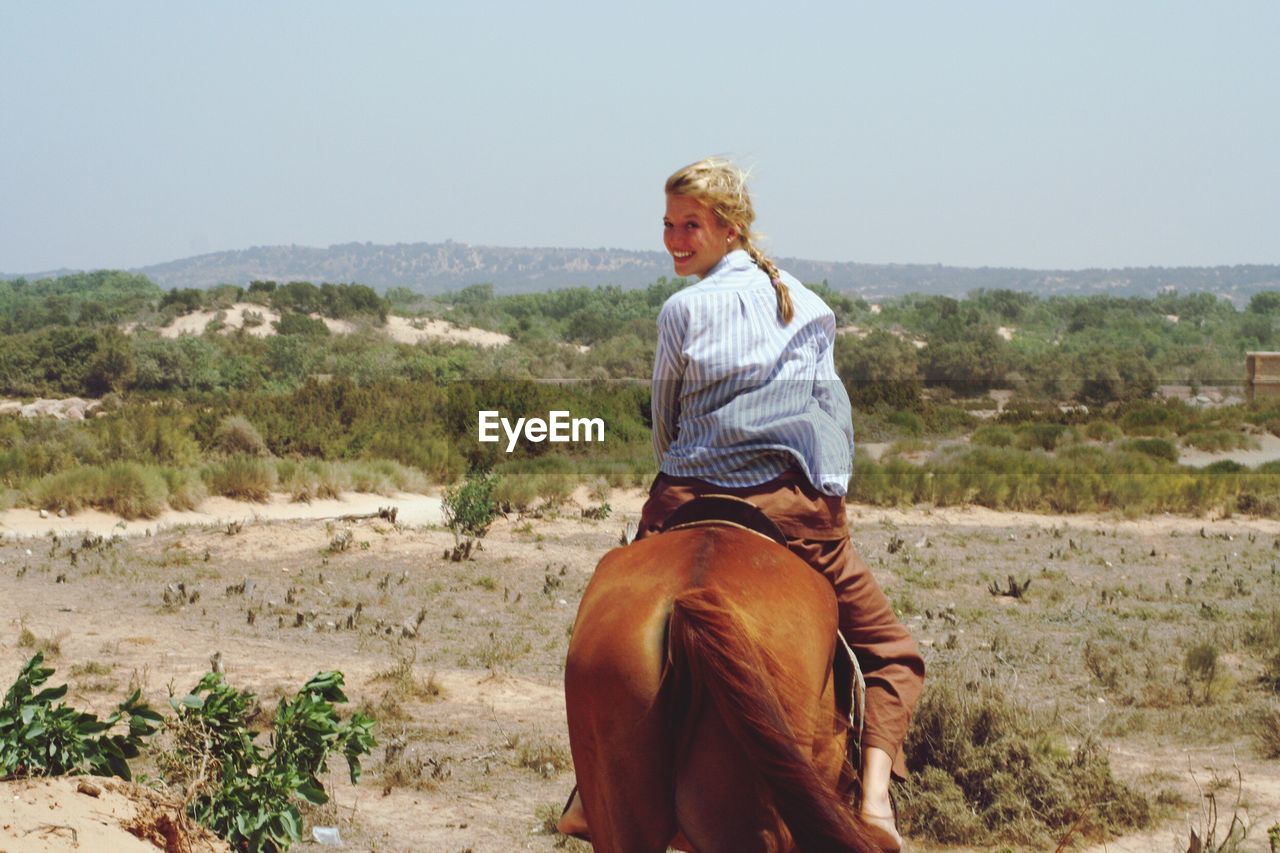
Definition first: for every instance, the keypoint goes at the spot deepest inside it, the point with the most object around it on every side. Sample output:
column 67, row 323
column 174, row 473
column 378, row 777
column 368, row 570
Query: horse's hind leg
column 621, row 750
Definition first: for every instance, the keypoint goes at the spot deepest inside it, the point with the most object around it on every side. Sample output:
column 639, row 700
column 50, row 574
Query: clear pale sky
column 1035, row 134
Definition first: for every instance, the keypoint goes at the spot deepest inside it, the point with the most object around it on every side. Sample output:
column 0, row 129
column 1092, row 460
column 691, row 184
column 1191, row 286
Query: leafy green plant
column 245, row 794
column 39, row 738
column 469, row 508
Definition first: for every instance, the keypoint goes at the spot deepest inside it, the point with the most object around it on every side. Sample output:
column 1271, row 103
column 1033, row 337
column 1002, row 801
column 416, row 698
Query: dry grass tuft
column 986, row 771
column 1268, row 730
column 546, row 756
column 28, row 639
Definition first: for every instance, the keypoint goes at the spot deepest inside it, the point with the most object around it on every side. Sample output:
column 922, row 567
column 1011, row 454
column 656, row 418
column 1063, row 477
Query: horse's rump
column 700, row 698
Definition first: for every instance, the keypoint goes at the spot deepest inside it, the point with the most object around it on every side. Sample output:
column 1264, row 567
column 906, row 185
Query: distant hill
column 440, row 267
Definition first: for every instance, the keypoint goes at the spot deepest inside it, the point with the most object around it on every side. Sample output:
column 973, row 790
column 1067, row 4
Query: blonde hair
column 722, row 187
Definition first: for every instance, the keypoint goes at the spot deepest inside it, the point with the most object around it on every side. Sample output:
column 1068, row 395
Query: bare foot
column 883, row 830
column 573, row 821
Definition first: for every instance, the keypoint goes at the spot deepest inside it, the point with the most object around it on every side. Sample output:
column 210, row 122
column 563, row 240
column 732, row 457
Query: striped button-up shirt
column 738, row 398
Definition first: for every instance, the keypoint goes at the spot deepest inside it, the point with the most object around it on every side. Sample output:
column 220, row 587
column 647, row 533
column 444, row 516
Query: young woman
column 746, row 401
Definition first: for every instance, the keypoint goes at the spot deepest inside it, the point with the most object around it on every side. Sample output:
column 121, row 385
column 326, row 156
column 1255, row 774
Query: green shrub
column 132, row 491
column 1262, row 634
column 1076, row 478
column 1023, row 411
column 946, row 420
column 437, row 458
column 370, row 478
column 469, row 508
column 404, row 478
column 1200, row 664
column 300, row 324
column 245, row 794
column 187, row 489
column 68, row 491
column 880, row 369
column 1219, row 440
column 311, row 479
column 1153, row 418
column 906, row 423
column 127, row 489
column 1251, row 502
column 516, row 492
column 908, row 446
column 236, row 436
column 39, row 738
column 1044, row 436
column 1157, row 448
column 243, row 478
column 993, row 435
column 555, row 488
column 1103, row 431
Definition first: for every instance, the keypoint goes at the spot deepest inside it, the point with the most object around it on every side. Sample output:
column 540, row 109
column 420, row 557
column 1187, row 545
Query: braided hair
column 722, row 187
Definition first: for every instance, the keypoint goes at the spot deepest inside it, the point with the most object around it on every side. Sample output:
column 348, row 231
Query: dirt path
column 413, row 510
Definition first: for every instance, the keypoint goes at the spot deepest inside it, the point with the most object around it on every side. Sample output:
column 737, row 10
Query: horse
column 700, row 699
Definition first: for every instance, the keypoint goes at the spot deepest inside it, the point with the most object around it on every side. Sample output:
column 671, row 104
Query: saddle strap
column 724, row 509
column 851, row 694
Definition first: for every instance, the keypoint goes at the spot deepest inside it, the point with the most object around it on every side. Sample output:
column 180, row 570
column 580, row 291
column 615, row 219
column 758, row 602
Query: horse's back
column 622, row 620
column 626, row 727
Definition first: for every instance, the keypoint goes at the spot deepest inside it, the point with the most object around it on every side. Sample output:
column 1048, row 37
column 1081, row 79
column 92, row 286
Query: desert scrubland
column 1068, row 500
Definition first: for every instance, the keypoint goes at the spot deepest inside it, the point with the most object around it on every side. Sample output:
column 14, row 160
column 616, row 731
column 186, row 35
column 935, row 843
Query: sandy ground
column 233, row 318
column 1268, row 450
column 217, row 512
column 401, row 329
column 408, row 330
column 91, row 814
column 65, row 408
column 480, row 761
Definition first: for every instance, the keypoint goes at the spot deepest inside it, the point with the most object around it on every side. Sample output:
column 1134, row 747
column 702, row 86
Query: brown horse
column 700, row 698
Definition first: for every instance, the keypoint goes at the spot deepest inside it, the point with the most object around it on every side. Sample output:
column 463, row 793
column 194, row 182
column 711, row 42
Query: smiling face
column 693, row 235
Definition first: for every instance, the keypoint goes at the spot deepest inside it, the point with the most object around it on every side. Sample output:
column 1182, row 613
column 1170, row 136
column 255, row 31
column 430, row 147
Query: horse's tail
column 709, row 640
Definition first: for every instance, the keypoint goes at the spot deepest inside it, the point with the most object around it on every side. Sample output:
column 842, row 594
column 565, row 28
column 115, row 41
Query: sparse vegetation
column 1268, row 730
column 1097, row 638
column 985, row 772
column 543, row 755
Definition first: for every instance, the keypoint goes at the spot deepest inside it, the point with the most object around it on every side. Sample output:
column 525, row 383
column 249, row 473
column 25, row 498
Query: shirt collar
column 738, row 259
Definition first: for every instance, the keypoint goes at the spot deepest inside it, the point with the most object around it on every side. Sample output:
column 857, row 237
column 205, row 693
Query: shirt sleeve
column 829, row 391
column 668, row 371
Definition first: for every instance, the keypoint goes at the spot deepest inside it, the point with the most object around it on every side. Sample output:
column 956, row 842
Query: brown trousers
column 816, row 531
